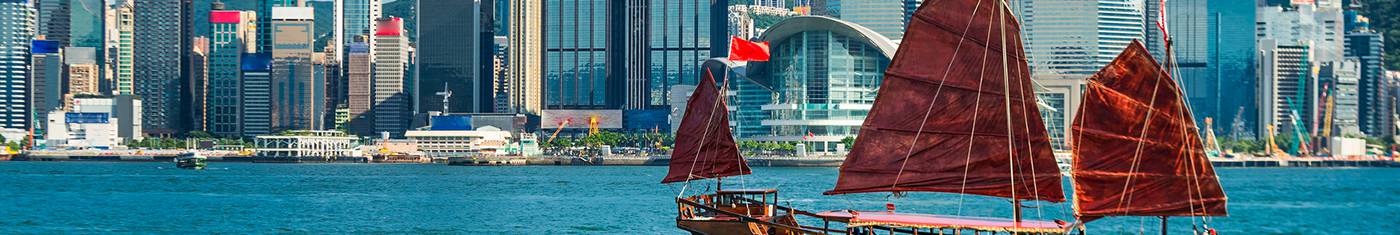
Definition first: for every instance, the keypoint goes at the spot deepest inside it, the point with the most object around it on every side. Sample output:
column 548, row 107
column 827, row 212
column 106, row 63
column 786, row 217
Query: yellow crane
column 556, row 130
column 1326, row 128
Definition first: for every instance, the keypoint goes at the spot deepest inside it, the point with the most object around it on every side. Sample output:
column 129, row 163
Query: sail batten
column 705, row 146
column 922, row 134
column 1137, row 148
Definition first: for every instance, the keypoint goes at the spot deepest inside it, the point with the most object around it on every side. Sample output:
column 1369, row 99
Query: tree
column 849, row 141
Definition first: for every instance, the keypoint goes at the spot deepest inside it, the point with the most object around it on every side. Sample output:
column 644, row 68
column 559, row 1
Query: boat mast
column 1006, row 93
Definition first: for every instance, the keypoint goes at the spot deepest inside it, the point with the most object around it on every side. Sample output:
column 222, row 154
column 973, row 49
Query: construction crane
column 1273, row 149
column 1326, row 127
column 1300, row 149
column 562, row 124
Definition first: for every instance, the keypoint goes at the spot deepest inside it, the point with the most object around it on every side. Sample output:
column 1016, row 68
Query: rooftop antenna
column 446, row 94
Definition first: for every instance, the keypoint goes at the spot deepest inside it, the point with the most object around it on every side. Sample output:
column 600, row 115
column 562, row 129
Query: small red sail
column 1137, row 149
column 704, row 146
column 948, row 85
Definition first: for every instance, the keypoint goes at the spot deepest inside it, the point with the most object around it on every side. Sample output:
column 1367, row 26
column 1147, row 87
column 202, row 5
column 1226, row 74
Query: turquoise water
column 101, row 197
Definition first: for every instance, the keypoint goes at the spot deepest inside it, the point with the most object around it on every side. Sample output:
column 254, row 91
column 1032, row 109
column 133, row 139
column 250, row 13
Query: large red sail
column 941, row 123
column 1137, row 149
column 704, row 146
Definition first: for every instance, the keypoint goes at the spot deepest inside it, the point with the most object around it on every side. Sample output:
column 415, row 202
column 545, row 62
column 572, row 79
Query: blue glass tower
column 1231, row 48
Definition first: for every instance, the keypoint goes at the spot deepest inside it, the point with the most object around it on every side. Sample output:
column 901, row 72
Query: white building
column 316, row 144
column 124, row 109
column 82, row 130
column 487, row 140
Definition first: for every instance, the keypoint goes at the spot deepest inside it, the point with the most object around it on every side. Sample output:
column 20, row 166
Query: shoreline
column 624, row 160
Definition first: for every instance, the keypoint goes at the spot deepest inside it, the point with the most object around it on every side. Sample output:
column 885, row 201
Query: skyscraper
column 684, row 33
column 359, row 76
column 1376, row 103
column 354, row 18
column 455, row 48
column 197, row 92
column 576, row 52
column 160, row 46
column 1288, row 86
column 265, row 20
column 1189, row 23
column 294, row 102
column 121, row 47
column 84, row 76
column 886, row 17
column 256, row 71
column 392, row 110
column 46, row 83
column 232, row 34
column 1233, row 52
column 54, row 20
column 15, row 35
column 525, row 58
column 1076, row 38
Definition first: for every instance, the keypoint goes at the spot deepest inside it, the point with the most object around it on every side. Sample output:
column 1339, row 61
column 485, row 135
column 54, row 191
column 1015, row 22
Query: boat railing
column 786, row 229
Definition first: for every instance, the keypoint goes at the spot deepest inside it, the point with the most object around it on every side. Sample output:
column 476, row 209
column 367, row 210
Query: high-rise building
column 1376, row 103
column 1196, row 68
column 84, row 75
column 121, row 48
column 1232, row 52
column 1341, row 80
column 197, row 93
column 256, row 71
column 683, row 34
column 886, row 17
column 575, row 68
column 325, row 83
column 354, row 18
column 1289, row 87
column 294, row 105
column 265, row 12
column 392, row 110
column 359, row 76
column 1075, row 38
column 455, row 48
column 15, row 35
column 524, row 76
column 161, row 44
column 55, row 20
column 911, row 6
column 232, row 34
column 46, row 83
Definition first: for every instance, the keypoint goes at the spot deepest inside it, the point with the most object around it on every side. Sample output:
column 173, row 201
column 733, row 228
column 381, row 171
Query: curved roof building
column 817, row 87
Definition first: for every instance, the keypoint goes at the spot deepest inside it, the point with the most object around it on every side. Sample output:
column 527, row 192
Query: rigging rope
column 936, row 92
column 1137, row 154
column 1006, row 98
column 972, row 135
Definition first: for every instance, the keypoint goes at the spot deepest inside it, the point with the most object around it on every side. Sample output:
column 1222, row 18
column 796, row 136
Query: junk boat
column 957, row 113
column 705, row 149
column 191, row 160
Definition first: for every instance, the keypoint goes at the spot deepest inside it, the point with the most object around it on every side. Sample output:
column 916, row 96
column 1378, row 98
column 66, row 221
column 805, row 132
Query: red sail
column 704, row 146
column 946, row 95
column 1137, row 151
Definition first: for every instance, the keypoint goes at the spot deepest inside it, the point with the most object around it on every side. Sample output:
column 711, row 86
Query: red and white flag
column 745, row 50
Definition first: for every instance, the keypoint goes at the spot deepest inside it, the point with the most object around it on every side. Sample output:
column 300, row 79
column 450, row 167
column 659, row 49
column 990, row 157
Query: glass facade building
column 453, row 53
column 162, row 36
column 575, row 67
column 16, row 31
column 883, row 16
column 1232, row 52
column 1076, row 38
column 683, row 34
column 231, row 35
column 820, row 83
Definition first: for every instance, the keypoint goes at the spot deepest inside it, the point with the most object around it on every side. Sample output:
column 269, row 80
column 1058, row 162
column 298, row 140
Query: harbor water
column 110, row 197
